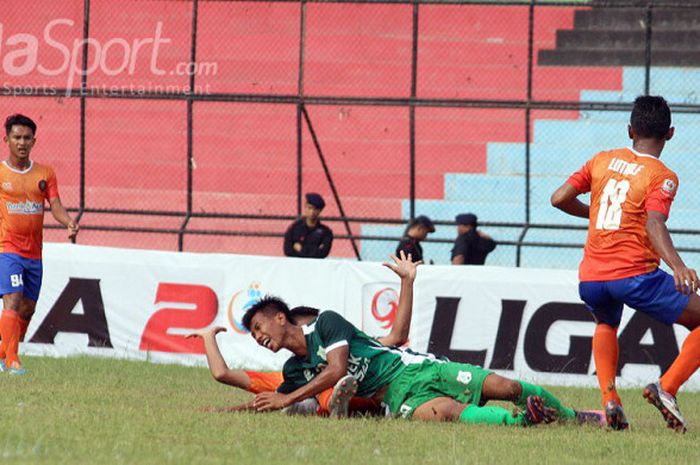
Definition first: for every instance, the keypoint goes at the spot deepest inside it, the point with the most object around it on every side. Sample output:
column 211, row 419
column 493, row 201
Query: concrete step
column 617, row 57
column 625, row 19
column 608, row 39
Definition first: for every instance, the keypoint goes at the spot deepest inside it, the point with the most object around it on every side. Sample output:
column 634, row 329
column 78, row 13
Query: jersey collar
column 308, row 329
column 640, row 154
column 15, row 170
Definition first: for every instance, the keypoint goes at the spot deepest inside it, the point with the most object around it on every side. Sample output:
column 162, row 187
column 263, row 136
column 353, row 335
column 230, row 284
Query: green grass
column 100, row 411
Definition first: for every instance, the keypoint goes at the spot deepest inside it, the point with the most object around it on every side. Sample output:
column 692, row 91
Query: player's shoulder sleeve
column 662, row 191
column 48, row 176
column 581, row 179
column 334, row 330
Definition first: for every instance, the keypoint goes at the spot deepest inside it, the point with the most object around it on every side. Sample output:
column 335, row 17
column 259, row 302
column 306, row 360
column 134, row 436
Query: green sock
column 565, row 413
column 490, row 416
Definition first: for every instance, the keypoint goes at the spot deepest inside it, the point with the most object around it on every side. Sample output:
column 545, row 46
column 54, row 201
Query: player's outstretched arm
column 337, row 368
column 247, row 407
column 405, row 269
column 61, row 215
column 217, row 365
column 686, row 279
column 565, row 199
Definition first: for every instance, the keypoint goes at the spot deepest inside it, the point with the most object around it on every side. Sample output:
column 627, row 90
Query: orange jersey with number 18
column 624, row 185
column 22, row 198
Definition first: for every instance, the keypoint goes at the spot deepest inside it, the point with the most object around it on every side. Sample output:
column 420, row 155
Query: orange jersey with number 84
column 624, row 185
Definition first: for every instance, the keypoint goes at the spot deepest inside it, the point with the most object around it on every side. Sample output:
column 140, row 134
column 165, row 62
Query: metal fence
column 199, row 125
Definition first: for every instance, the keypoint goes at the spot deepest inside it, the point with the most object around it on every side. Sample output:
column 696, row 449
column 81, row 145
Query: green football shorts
column 422, row 382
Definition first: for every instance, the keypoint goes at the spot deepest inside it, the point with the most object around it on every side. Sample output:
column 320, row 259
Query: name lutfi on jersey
column 624, row 168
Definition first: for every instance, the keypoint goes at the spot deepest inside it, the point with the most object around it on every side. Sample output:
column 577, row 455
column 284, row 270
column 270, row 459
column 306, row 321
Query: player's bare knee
column 12, row 301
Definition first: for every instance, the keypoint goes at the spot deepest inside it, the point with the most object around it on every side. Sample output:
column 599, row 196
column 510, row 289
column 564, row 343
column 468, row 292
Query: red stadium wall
column 245, row 153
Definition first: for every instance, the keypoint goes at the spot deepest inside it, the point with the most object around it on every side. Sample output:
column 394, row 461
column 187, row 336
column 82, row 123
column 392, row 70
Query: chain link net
column 199, row 126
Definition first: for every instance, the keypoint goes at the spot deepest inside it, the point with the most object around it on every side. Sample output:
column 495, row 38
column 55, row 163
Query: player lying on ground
column 257, row 382
column 410, row 385
column 631, row 195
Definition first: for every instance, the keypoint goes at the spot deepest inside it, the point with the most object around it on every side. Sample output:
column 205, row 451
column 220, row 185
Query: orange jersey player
column 631, row 195
column 25, row 187
column 335, row 401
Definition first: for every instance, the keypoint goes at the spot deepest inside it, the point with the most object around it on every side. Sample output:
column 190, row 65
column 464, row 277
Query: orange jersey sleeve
column 264, row 382
column 23, row 196
column 624, row 185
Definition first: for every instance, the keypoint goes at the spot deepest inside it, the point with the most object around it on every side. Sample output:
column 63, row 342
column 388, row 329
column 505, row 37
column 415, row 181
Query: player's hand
column 686, row 280
column 267, row 401
column 206, row 332
column 404, row 266
column 73, row 228
column 297, row 246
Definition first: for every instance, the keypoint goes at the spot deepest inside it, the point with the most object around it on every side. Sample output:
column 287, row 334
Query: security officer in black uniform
column 307, row 237
column 471, row 246
column 417, row 230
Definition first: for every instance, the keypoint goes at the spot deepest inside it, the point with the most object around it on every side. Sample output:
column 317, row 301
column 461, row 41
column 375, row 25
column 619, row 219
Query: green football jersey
column 371, row 363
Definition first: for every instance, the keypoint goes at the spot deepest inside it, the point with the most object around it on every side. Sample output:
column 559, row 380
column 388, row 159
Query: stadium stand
column 244, row 153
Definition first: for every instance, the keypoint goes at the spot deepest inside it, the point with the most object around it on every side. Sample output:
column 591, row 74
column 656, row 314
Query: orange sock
column 683, row 367
column 324, row 401
column 9, row 331
column 605, row 354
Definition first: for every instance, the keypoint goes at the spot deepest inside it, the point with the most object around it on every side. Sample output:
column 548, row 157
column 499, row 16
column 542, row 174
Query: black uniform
column 409, row 245
column 315, row 242
column 473, row 247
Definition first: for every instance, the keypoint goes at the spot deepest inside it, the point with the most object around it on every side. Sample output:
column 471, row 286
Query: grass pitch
column 101, row 411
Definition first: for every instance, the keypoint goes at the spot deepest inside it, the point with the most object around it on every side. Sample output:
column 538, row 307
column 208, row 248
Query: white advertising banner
column 140, row 304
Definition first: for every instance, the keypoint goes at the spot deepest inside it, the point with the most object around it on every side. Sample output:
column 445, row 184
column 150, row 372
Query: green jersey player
column 410, row 385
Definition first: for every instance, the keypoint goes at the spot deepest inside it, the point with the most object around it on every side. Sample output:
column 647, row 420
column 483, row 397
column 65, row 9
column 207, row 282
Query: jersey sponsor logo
column 624, row 168
column 358, row 367
column 240, row 302
column 405, row 410
column 668, row 187
column 464, row 377
column 311, row 373
column 7, row 186
column 25, row 208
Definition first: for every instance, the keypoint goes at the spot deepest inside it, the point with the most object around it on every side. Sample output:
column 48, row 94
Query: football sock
column 605, row 353
column 683, row 367
column 564, row 413
column 7, row 320
column 9, row 328
column 490, row 415
column 13, row 345
column 324, row 400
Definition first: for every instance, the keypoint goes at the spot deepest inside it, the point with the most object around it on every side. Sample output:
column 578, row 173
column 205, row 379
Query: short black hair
column 19, row 120
column 267, row 304
column 303, row 311
column 651, row 117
